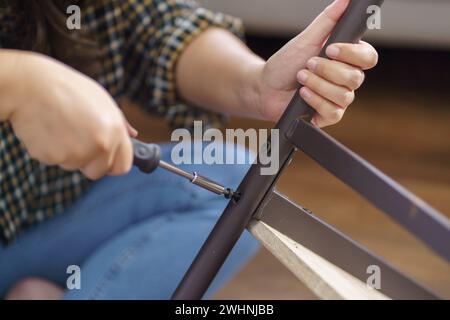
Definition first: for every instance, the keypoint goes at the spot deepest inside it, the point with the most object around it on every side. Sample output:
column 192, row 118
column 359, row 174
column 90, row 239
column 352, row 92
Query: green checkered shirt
column 143, row 39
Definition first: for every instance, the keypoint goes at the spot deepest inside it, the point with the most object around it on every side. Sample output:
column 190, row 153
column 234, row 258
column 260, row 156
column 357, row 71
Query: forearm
column 218, row 72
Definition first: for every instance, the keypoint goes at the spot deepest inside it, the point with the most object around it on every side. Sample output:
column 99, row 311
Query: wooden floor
column 401, row 123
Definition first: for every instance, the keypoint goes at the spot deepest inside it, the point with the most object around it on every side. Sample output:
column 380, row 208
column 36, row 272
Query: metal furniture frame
column 259, row 199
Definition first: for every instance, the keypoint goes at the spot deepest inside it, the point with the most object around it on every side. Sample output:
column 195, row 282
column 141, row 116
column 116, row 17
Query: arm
column 218, row 72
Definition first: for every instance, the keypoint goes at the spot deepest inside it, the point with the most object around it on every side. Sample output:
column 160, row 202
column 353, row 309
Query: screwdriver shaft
column 176, row 170
column 147, row 157
column 198, row 180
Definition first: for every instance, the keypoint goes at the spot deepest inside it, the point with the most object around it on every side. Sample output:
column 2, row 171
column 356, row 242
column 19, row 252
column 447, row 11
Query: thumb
column 319, row 30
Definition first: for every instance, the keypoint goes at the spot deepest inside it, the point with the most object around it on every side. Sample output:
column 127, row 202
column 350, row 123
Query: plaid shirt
column 143, row 39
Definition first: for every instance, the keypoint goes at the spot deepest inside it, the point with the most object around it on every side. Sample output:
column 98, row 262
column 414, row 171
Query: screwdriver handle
column 146, row 155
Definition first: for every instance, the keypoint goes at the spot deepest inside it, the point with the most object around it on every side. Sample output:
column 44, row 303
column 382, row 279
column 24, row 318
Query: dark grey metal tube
column 255, row 186
column 423, row 221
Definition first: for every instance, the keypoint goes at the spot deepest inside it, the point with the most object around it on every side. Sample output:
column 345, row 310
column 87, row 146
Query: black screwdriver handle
column 146, row 155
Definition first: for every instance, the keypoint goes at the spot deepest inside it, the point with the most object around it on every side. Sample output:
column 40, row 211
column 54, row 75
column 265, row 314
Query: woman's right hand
column 64, row 118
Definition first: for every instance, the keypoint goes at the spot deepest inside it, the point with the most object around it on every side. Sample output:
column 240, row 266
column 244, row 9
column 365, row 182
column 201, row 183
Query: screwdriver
column 147, row 158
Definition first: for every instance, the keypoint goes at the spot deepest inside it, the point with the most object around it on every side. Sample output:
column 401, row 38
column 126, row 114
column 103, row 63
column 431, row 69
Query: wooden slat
column 325, row 279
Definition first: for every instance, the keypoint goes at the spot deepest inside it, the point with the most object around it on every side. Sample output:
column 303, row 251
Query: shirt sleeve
column 159, row 31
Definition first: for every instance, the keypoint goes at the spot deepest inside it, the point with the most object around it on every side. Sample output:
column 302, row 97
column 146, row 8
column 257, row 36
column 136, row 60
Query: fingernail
column 312, row 64
column 132, row 132
column 302, row 76
column 333, row 51
column 305, row 93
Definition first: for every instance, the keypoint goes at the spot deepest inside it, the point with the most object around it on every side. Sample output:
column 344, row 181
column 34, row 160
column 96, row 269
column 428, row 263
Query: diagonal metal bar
column 302, row 226
column 408, row 210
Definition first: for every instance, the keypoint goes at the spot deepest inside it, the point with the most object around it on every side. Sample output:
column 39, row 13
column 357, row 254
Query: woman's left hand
column 329, row 84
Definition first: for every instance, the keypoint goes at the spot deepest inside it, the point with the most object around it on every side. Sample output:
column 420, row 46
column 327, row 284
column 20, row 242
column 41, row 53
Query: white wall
column 404, row 22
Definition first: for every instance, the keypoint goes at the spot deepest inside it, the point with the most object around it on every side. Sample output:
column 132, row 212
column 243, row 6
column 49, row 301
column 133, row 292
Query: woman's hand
column 328, row 84
column 64, row 118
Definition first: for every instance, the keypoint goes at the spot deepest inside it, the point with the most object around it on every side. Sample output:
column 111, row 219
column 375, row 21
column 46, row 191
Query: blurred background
column 400, row 122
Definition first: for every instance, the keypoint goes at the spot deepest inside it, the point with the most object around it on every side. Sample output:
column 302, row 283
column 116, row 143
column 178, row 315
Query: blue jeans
column 133, row 237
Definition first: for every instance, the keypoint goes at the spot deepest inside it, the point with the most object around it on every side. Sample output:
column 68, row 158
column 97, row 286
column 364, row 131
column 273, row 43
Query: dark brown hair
column 41, row 27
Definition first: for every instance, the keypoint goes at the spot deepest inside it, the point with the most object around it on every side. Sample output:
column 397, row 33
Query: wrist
column 250, row 88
